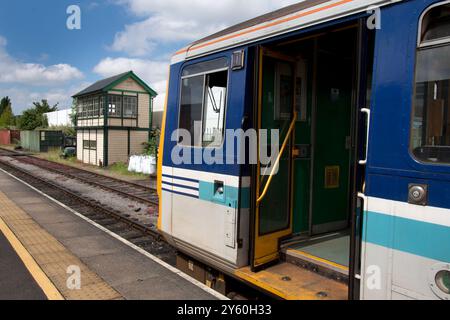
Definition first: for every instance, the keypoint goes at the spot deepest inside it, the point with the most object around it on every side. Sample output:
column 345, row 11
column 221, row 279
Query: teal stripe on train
column 230, row 197
column 416, row 237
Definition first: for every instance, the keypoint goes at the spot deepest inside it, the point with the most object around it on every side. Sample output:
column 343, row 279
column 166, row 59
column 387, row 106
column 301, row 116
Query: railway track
column 144, row 236
column 126, row 189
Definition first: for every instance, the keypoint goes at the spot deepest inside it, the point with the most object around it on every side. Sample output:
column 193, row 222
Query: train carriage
column 356, row 202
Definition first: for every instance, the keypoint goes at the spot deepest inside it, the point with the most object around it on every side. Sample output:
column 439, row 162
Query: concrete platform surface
column 17, row 285
column 118, row 267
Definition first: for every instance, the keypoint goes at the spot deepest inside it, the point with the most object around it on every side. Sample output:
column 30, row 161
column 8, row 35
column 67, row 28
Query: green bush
column 151, row 147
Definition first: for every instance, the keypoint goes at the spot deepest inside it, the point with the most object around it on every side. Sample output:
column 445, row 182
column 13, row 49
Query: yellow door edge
column 160, row 156
column 267, row 241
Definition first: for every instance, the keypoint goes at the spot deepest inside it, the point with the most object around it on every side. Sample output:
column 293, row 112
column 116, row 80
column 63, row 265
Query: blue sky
column 41, row 59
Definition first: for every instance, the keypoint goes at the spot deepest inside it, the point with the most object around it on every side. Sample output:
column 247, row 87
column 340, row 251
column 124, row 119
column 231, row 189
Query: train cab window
column 430, row 138
column 203, row 102
column 214, row 108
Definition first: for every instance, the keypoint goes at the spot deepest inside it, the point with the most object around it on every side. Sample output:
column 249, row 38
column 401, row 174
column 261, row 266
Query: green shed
column 41, row 140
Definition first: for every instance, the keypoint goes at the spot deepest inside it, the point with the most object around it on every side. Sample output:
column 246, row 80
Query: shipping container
column 41, row 140
column 9, row 136
column 14, row 136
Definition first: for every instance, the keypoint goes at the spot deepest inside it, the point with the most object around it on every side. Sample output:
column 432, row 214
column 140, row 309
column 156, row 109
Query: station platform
column 17, row 285
column 49, row 252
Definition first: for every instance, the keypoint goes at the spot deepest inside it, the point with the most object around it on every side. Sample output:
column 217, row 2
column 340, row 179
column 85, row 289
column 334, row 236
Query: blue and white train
column 359, row 207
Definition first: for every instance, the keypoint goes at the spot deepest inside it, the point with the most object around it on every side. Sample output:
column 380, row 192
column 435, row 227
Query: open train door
column 272, row 195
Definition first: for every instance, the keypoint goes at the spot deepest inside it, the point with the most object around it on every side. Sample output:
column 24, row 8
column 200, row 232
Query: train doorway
column 311, row 90
column 274, row 202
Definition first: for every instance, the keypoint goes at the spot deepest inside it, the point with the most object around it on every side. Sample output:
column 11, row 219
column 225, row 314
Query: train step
column 290, row 282
column 327, row 255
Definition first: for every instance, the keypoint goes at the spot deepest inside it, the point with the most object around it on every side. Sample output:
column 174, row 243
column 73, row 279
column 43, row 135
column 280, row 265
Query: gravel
column 142, row 213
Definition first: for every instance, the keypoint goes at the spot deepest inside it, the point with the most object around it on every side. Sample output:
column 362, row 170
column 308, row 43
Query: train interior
column 305, row 214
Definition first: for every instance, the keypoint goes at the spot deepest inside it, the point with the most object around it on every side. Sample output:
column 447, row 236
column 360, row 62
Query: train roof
column 294, row 17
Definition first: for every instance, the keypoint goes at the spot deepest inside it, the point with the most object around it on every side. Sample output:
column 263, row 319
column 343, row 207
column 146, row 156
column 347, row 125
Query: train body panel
column 398, row 248
column 405, row 244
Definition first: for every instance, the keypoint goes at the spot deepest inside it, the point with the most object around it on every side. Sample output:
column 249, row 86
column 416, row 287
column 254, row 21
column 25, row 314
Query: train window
column 191, row 107
column 205, row 67
column 436, row 24
column 214, row 108
column 430, row 138
column 203, row 102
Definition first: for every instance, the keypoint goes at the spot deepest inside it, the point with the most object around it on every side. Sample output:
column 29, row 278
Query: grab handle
column 367, row 112
column 277, row 162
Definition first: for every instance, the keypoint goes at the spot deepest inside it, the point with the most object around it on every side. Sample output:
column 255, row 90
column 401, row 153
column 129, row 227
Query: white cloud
column 22, row 97
column 154, row 73
column 165, row 23
column 15, row 71
column 173, row 21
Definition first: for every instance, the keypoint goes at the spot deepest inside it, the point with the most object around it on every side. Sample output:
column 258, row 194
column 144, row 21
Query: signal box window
column 430, row 138
column 129, row 107
column 114, row 106
column 89, row 144
column 203, row 103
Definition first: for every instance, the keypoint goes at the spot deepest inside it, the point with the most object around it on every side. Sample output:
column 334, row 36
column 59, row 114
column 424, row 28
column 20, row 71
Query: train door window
column 203, row 102
column 214, row 108
column 283, row 91
column 430, row 137
column 191, row 107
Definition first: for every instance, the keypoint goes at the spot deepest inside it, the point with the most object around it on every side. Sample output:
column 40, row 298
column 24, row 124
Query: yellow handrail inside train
column 283, row 147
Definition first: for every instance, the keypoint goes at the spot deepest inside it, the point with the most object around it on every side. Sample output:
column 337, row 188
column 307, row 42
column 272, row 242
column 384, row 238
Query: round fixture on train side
column 439, row 278
column 443, row 281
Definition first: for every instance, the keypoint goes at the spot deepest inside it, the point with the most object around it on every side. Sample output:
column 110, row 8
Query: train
column 306, row 152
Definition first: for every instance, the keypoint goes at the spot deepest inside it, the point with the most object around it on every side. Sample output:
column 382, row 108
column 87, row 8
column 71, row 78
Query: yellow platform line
column 35, row 270
column 51, row 257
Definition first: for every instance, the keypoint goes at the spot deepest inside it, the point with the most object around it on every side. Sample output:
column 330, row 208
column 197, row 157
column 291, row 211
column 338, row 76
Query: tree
column 7, row 117
column 73, row 114
column 34, row 118
column 6, row 101
column 43, row 107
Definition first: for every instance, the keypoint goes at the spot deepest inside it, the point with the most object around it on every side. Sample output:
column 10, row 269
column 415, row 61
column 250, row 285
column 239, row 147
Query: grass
column 8, row 146
column 122, row 169
column 54, row 156
column 117, row 170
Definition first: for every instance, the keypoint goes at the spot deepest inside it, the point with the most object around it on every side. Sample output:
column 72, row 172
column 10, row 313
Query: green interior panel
column 302, row 167
column 332, row 145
